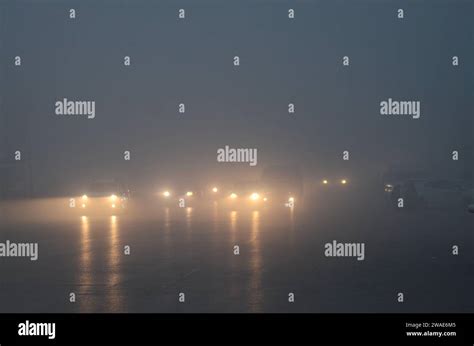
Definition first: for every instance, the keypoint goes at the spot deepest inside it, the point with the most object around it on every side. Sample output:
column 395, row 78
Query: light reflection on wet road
column 85, row 264
column 191, row 250
column 254, row 288
column 114, row 272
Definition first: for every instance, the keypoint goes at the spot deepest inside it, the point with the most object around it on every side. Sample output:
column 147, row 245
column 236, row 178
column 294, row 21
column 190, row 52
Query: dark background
column 191, row 249
column 191, row 61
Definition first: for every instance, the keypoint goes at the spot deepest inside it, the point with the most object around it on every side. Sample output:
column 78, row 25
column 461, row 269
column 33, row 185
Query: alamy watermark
column 391, row 107
column 37, row 329
column 227, row 154
column 67, row 107
column 10, row 249
column 335, row 249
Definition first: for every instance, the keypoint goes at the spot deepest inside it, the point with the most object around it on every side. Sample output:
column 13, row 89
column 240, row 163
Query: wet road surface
column 191, row 250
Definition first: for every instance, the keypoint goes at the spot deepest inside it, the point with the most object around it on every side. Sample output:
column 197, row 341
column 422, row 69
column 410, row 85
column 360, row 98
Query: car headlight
column 254, row 196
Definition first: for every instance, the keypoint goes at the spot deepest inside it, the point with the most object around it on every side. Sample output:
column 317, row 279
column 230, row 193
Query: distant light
column 233, row 195
column 113, row 198
column 83, row 205
column 113, row 205
column 189, row 193
column 214, row 189
column 84, row 196
column 254, row 196
column 264, row 199
column 166, row 193
column 325, row 182
column 291, row 199
column 343, row 181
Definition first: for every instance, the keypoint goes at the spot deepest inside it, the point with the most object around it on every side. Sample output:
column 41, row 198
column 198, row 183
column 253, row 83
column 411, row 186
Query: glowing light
column 291, row 199
column 214, row 189
column 254, row 196
column 83, row 205
column 325, row 182
column 264, row 199
column 233, row 195
column 113, row 205
column 343, row 181
column 166, row 193
column 113, row 198
column 189, row 193
column 84, row 196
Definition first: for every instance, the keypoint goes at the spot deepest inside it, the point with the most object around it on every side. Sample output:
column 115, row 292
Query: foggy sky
column 190, row 61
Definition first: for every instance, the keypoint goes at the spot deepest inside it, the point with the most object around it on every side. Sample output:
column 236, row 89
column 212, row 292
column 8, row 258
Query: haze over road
column 190, row 250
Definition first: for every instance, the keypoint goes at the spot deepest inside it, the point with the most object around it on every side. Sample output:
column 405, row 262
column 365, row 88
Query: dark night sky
column 190, row 61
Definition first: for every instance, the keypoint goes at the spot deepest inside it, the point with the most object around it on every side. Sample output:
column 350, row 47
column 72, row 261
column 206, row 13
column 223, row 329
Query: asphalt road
column 191, row 250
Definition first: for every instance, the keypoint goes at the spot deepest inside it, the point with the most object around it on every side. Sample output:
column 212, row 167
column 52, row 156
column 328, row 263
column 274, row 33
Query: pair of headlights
column 343, row 181
column 254, row 196
column 112, row 197
column 168, row 194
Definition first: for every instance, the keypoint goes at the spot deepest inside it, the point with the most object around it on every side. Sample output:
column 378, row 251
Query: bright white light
column 113, row 198
column 325, row 182
column 84, row 196
column 254, row 196
column 214, row 189
column 189, row 193
column 166, row 193
column 343, row 181
column 291, row 199
column 233, row 195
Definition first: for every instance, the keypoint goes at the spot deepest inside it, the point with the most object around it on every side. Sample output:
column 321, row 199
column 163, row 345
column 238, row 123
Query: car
column 179, row 196
column 215, row 192
column 334, row 182
column 434, row 193
column 104, row 195
column 245, row 193
column 283, row 185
